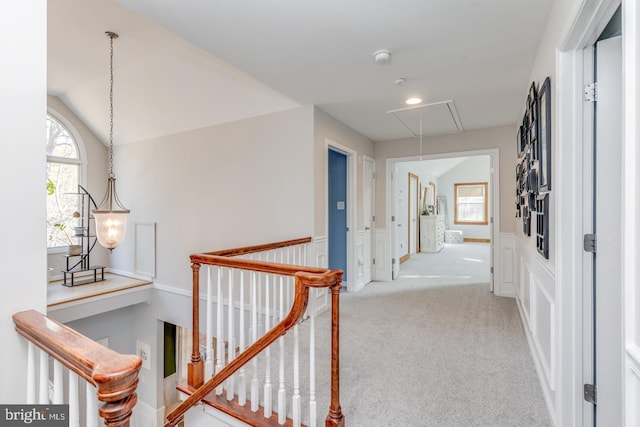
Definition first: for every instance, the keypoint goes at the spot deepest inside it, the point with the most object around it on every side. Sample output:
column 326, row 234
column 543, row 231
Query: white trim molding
column 536, row 301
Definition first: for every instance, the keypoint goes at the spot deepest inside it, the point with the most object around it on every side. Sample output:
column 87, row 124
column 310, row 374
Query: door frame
column 369, row 242
column 494, row 154
column 416, row 226
column 575, row 129
column 351, row 207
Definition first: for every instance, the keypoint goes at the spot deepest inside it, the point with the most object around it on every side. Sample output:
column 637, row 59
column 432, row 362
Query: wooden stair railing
column 305, row 278
column 114, row 375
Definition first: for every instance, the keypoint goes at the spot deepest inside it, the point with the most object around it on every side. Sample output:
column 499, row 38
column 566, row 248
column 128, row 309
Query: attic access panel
column 437, row 118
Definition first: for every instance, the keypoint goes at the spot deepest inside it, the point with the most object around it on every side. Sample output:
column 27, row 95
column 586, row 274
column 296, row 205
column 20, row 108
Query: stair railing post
column 335, row 418
column 195, row 369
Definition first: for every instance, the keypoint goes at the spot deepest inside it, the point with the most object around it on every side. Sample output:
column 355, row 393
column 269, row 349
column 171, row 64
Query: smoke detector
column 382, row 56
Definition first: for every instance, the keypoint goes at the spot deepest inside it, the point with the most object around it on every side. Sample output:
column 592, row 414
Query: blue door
column 338, row 211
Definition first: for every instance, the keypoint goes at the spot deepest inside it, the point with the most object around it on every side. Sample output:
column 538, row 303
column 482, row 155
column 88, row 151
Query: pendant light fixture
column 111, row 217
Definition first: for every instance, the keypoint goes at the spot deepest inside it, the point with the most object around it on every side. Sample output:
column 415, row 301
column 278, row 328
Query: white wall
column 326, row 128
column 473, row 169
column 23, row 257
column 218, row 187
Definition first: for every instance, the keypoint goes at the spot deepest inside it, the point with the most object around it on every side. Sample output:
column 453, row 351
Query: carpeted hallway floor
column 434, row 348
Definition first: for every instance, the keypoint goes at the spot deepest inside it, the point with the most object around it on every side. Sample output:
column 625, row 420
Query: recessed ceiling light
column 413, row 101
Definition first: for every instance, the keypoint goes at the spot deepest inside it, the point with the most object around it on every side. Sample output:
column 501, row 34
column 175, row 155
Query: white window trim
column 82, row 161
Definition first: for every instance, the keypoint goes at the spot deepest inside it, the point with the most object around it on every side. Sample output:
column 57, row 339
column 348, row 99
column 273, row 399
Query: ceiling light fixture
column 111, row 217
column 413, row 101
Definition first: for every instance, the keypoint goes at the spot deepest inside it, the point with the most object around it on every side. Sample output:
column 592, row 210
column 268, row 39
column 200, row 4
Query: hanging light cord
column 111, row 37
column 420, row 136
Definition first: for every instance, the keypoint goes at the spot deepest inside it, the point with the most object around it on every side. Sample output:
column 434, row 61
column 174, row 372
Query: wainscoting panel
column 544, row 334
column 320, row 296
column 536, row 300
column 359, row 282
column 506, row 262
column 382, row 268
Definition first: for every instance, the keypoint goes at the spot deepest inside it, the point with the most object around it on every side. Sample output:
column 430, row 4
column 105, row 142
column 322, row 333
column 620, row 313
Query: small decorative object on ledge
column 78, row 260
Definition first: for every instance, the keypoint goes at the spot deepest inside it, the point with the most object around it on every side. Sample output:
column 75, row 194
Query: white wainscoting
column 505, row 266
column 321, row 299
column 536, row 299
column 382, row 255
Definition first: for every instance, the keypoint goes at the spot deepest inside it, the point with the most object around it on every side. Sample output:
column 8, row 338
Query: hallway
column 436, row 348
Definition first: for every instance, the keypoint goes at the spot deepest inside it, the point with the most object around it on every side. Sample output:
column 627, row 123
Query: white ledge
column 116, row 291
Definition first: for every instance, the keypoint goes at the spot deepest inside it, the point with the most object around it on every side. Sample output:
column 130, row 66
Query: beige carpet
column 433, row 348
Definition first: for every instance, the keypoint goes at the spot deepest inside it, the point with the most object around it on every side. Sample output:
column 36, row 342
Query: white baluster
column 43, row 390
column 304, row 255
column 219, row 341
column 58, row 383
column 208, row 356
column 254, row 332
column 242, row 380
column 92, row 406
column 260, row 276
column 312, row 364
column 296, row 377
column 282, row 393
column 31, row 373
column 231, row 338
column 74, row 408
column 267, row 375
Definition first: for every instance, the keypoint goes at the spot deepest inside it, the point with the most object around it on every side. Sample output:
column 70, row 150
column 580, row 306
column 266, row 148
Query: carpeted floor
column 433, row 348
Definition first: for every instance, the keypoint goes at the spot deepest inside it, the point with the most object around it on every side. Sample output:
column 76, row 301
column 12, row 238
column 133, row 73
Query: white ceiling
column 188, row 64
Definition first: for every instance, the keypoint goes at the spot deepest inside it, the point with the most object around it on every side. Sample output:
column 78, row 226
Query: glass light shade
column 111, row 228
column 111, row 218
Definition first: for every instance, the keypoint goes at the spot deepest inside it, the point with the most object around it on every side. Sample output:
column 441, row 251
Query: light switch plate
column 143, row 350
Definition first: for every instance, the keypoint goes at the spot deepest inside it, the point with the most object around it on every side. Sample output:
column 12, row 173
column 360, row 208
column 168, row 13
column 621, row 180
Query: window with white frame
column 470, row 203
column 64, row 162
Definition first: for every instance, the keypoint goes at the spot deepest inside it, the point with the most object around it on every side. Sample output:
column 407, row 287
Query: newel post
column 195, row 369
column 335, row 418
column 118, row 413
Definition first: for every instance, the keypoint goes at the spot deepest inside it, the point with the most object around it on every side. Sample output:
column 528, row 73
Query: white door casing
column 412, row 220
column 368, row 203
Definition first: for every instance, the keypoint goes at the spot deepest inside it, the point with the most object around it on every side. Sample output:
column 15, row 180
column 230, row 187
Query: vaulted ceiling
column 193, row 63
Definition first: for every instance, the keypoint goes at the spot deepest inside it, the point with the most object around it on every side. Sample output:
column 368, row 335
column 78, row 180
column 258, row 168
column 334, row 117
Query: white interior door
column 413, row 213
column 368, row 177
column 608, row 318
column 396, row 226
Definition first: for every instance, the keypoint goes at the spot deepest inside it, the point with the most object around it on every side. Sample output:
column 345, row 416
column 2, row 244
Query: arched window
column 64, row 173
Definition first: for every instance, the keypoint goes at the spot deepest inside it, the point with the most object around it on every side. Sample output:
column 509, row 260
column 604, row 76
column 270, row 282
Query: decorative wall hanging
column 542, row 225
column 544, row 146
column 533, row 169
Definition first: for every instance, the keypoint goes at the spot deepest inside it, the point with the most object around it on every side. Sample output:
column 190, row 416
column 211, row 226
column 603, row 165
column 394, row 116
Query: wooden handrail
column 260, row 248
column 114, row 375
column 305, row 278
column 303, row 282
